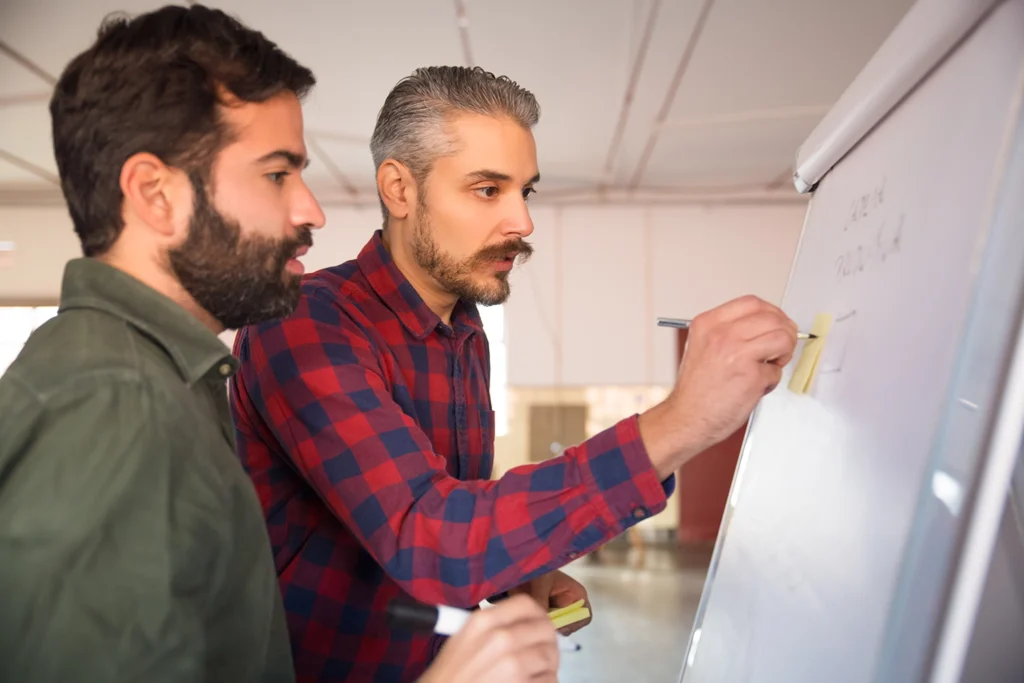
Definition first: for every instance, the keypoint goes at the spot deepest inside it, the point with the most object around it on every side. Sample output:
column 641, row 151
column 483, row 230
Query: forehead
column 485, row 142
column 273, row 124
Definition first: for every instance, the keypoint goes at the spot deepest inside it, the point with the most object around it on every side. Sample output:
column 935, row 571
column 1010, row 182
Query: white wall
column 44, row 241
column 582, row 310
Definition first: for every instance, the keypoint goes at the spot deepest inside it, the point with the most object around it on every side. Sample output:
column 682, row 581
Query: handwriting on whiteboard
column 871, row 235
column 865, row 206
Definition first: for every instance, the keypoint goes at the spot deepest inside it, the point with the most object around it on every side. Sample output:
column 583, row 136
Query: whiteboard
column 995, row 653
column 862, row 512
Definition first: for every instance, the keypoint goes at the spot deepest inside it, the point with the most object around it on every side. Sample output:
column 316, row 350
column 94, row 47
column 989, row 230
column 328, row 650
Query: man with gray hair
column 364, row 419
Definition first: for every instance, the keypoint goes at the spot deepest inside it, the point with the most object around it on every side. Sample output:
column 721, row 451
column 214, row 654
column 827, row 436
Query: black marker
column 443, row 620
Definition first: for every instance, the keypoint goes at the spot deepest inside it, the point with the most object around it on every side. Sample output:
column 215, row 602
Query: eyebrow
column 497, row 177
column 293, row 159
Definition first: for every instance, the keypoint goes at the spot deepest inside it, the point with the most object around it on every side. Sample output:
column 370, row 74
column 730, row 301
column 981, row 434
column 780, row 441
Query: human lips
column 503, row 257
column 294, row 265
column 506, row 262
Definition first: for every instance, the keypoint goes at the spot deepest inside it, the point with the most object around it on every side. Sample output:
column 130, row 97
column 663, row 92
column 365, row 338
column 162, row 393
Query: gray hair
column 410, row 125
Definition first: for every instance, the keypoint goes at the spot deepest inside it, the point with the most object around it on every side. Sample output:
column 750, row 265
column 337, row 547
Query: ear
column 396, row 187
column 156, row 195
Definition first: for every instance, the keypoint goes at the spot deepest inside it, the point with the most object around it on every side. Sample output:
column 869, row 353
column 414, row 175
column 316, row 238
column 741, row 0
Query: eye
column 278, row 177
column 489, row 192
column 527, row 192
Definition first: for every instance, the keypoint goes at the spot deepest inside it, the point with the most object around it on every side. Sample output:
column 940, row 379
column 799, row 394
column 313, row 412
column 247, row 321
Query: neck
column 437, row 299
column 163, row 282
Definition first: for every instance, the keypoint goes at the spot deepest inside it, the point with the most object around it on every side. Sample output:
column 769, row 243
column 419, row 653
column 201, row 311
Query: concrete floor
column 643, row 612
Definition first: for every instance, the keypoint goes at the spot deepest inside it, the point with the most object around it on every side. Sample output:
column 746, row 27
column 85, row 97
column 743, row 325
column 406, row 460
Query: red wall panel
column 703, row 484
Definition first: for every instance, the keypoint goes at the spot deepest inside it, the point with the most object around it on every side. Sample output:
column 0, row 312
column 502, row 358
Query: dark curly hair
column 154, row 83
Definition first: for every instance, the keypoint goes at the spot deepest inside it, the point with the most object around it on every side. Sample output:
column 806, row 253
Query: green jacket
column 132, row 544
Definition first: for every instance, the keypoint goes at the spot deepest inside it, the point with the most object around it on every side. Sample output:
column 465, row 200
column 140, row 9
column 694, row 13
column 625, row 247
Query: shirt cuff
column 618, row 470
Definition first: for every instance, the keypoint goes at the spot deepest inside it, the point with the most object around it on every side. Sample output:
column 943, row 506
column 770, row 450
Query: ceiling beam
column 339, row 176
column 634, row 77
column 813, row 111
column 27, row 63
column 673, row 88
column 50, row 196
column 784, row 178
column 29, row 167
column 7, row 101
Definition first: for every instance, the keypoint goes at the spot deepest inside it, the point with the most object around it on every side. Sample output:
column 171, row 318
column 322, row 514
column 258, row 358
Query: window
column 493, row 318
column 16, row 324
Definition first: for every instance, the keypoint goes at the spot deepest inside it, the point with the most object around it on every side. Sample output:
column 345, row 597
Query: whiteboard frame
column 716, row 554
column 944, row 648
column 976, row 553
column 929, row 31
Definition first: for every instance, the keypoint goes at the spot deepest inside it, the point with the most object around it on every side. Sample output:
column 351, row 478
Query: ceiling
column 652, row 100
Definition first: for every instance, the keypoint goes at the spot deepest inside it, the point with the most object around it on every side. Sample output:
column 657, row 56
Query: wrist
column 669, row 440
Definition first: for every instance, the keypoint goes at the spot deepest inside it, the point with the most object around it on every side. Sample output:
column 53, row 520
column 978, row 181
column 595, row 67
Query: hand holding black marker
column 444, row 620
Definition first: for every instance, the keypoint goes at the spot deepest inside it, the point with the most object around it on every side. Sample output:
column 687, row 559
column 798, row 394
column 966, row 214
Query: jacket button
column 640, row 513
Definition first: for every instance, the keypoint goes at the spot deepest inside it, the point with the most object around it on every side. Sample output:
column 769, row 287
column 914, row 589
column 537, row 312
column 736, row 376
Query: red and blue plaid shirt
column 366, row 425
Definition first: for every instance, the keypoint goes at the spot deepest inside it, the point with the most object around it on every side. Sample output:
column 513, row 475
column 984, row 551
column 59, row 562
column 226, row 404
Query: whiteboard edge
column 974, row 562
column 698, row 617
column 994, row 489
column 862, row 105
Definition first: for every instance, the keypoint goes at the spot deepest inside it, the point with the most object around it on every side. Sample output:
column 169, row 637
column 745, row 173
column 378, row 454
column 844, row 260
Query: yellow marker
column 807, row 365
column 570, row 614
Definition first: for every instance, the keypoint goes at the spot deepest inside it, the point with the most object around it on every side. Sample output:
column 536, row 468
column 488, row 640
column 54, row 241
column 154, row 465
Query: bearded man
column 365, row 421
column 132, row 541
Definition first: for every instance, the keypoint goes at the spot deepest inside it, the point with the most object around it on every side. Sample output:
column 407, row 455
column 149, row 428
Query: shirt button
column 640, row 513
column 224, row 369
column 573, row 555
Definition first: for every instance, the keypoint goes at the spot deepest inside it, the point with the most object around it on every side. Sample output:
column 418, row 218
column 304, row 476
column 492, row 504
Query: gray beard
column 455, row 276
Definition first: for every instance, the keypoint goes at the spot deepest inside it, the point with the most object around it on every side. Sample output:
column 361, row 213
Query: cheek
column 472, row 228
column 449, row 228
column 258, row 212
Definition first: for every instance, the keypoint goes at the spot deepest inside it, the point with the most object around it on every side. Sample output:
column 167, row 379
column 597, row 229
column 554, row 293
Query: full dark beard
column 457, row 276
column 239, row 281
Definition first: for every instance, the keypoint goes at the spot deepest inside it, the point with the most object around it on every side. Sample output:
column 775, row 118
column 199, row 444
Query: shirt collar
column 193, row 348
column 398, row 294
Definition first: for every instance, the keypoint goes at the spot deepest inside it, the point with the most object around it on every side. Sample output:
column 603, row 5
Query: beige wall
column 582, row 310
column 580, row 322
column 605, row 407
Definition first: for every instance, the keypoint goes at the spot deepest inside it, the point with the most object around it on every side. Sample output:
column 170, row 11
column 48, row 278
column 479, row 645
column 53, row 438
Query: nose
column 306, row 209
column 518, row 223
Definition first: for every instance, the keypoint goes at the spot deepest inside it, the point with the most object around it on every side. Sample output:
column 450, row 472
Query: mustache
column 303, row 238
column 496, row 252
